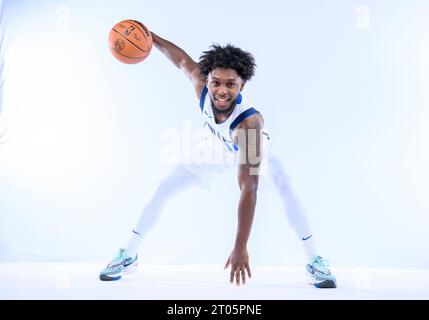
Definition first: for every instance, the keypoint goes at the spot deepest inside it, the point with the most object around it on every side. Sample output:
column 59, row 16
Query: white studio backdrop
column 343, row 87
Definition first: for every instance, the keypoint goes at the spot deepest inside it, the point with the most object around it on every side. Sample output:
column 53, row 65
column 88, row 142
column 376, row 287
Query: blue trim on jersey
column 249, row 112
column 203, row 97
column 239, row 99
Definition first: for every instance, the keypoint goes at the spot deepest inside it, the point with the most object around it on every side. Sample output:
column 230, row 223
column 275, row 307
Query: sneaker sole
column 327, row 284
column 104, row 277
column 132, row 268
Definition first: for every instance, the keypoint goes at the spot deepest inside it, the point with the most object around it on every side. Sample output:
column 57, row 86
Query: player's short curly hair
column 228, row 57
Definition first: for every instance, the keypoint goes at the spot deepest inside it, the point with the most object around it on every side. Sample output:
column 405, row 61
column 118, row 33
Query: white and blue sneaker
column 123, row 264
column 319, row 274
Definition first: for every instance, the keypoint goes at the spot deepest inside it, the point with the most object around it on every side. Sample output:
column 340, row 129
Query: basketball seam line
column 137, row 26
column 125, row 55
column 129, row 41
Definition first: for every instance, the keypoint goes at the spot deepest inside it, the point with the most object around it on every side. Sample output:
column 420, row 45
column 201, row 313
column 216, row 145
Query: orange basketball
column 130, row 41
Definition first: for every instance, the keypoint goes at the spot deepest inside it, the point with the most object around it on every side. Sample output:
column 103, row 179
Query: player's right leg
column 126, row 260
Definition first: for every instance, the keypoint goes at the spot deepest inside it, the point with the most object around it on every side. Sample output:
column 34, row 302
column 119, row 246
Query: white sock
column 134, row 243
column 309, row 246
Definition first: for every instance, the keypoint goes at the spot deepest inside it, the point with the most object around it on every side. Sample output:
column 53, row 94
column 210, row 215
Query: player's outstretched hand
column 239, row 262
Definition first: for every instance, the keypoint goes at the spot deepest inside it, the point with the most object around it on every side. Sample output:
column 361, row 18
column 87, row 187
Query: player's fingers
column 228, row 262
column 231, row 275
column 237, row 275
column 243, row 275
column 248, row 271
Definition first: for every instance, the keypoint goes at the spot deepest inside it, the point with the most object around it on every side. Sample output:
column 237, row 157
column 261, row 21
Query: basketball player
column 238, row 129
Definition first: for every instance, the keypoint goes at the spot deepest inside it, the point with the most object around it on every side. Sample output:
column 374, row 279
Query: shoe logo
column 311, row 269
column 128, row 262
column 122, row 263
column 303, row 239
column 322, row 272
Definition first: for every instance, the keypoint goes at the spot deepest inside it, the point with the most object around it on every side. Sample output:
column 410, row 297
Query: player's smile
column 224, row 87
column 222, row 102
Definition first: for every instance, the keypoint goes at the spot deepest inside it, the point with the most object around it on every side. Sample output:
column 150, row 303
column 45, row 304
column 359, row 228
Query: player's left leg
column 277, row 178
column 317, row 267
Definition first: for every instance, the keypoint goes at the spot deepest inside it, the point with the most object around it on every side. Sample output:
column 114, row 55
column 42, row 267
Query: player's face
column 224, row 87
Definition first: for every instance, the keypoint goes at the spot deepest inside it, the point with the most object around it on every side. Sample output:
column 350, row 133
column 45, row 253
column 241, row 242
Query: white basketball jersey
column 223, row 130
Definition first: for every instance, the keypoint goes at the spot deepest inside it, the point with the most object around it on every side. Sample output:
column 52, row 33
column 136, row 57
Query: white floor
column 80, row 281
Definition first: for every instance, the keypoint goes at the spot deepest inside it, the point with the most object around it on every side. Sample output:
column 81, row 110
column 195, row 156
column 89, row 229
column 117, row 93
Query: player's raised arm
column 181, row 60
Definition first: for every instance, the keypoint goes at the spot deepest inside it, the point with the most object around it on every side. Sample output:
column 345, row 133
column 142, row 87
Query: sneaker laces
column 121, row 252
column 319, row 261
column 120, row 256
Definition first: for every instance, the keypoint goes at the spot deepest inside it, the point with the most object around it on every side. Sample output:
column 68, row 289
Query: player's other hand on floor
column 239, row 262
